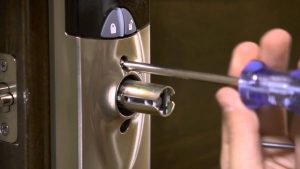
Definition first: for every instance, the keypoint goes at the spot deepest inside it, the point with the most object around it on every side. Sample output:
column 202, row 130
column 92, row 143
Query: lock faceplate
column 8, row 95
column 108, row 139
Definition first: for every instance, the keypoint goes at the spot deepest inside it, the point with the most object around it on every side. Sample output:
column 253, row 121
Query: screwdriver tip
column 122, row 63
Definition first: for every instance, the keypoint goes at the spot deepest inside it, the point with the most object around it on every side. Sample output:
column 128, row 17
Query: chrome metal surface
column 6, row 100
column 4, row 91
column 4, row 129
column 8, row 97
column 183, row 74
column 278, row 145
column 148, row 98
column 86, row 122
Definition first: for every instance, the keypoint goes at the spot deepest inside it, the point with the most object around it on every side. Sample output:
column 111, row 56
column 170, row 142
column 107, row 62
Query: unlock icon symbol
column 113, row 28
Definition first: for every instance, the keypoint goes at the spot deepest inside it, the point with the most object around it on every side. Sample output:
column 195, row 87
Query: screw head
column 4, row 129
column 3, row 65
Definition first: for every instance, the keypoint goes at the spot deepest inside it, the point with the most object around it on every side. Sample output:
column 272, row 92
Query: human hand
column 243, row 129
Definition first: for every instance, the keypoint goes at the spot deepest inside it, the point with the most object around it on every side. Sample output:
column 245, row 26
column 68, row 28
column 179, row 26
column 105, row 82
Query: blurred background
column 200, row 35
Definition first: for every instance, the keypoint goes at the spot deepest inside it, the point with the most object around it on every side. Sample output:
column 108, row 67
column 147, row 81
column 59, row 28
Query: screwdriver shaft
column 183, row 74
column 278, row 145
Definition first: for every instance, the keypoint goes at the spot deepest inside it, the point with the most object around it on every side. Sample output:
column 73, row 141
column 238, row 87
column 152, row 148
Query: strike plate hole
column 125, row 126
column 122, row 60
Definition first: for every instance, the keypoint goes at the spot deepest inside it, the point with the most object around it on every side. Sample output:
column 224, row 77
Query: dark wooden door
column 24, row 34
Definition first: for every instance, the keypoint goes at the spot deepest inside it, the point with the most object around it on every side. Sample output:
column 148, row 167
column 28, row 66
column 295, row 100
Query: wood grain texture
column 200, row 35
column 24, row 34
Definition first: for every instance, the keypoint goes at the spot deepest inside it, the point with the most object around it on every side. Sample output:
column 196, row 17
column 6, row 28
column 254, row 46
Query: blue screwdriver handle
column 260, row 86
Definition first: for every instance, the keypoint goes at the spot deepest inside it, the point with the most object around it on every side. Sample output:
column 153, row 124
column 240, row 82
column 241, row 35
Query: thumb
column 241, row 131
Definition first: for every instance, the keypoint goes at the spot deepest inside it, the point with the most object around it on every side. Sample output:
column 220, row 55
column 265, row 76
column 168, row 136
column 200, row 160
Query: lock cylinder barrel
column 148, row 98
column 6, row 98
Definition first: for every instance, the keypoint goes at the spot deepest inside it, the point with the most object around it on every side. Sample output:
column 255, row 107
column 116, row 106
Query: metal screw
column 3, row 65
column 4, row 129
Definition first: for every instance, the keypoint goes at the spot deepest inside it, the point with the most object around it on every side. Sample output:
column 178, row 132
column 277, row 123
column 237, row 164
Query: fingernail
column 246, row 48
column 242, row 54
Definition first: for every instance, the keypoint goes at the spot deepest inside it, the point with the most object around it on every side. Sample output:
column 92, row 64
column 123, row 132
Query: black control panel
column 106, row 19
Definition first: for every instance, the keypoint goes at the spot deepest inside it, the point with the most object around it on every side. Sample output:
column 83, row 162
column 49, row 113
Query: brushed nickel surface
column 103, row 145
column 85, row 120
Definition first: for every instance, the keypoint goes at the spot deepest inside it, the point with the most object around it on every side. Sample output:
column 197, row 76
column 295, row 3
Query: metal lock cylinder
column 6, row 98
column 148, row 98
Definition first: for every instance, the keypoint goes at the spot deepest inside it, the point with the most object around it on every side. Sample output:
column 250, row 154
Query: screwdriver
column 258, row 85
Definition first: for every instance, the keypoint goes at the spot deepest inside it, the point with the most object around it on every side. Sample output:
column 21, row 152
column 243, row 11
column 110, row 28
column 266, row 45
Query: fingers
column 240, row 130
column 274, row 51
column 296, row 137
column 224, row 160
column 241, row 141
column 242, row 54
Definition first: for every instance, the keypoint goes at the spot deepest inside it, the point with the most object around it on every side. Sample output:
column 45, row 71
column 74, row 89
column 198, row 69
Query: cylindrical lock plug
column 148, row 98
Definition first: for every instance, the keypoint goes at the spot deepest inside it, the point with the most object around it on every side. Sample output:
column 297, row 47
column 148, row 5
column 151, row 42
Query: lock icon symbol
column 113, row 28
